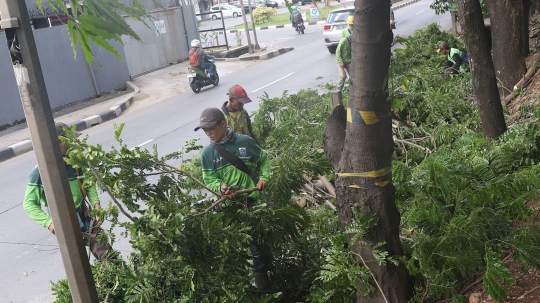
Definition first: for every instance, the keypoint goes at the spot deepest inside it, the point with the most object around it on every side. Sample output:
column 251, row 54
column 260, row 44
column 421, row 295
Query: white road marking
column 398, row 22
column 420, row 12
column 258, row 89
column 144, row 143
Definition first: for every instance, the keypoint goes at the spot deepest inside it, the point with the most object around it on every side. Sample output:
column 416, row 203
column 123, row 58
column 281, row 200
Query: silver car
column 336, row 23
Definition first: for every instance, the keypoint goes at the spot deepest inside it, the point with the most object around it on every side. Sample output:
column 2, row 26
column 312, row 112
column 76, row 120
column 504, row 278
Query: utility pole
column 257, row 47
column 246, row 26
column 37, row 110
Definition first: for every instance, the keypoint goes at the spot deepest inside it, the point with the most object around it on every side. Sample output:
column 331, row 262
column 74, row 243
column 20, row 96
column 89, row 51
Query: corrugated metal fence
column 68, row 77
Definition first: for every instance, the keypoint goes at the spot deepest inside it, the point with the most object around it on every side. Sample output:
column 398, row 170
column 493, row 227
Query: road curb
column 232, row 31
column 116, row 110
column 400, row 5
column 264, row 56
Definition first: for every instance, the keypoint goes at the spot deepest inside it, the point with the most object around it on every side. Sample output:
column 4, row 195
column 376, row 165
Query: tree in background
column 359, row 145
column 506, row 22
column 484, row 81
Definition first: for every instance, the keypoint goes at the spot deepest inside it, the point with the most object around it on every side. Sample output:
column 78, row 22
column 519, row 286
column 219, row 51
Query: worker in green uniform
column 344, row 55
column 234, row 161
column 35, row 202
column 236, row 116
column 457, row 61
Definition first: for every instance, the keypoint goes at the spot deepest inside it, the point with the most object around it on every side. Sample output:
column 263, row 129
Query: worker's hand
column 228, row 192
column 261, row 185
column 341, row 64
column 448, row 73
column 97, row 221
column 51, row 228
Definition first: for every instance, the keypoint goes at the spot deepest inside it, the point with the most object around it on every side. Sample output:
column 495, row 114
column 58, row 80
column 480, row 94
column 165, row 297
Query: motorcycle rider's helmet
column 195, row 43
column 293, row 8
column 350, row 20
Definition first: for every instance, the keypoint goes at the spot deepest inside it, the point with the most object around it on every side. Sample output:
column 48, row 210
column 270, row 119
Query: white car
column 228, row 11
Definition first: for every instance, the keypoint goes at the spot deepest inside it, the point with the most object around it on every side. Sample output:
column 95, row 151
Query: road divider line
column 420, row 12
column 144, row 143
column 258, row 89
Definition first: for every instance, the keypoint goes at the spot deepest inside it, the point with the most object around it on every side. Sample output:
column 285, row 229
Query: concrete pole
column 257, row 47
column 246, row 26
column 454, row 23
column 40, row 121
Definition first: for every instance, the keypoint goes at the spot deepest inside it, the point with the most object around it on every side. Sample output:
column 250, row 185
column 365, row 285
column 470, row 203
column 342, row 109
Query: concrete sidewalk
column 18, row 142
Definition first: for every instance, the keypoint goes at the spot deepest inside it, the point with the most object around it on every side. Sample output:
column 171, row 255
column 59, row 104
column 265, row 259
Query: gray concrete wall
column 10, row 101
column 158, row 49
column 110, row 72
column 67, row 76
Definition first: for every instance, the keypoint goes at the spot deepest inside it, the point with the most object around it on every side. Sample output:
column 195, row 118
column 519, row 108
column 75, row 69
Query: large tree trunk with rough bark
column 359, row 144
column 506, row 22
column 484, row 81
column 525, row 26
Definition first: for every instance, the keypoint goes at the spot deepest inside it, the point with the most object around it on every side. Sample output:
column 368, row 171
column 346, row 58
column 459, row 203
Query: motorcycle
column 199, row 78
column 300, row 27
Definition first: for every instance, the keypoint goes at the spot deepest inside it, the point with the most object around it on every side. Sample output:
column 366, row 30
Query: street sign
column 314, row 12
column 304, row 16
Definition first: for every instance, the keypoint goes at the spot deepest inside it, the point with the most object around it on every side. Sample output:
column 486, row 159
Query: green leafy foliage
column 263, row 14
column 98, row 21
column 290, row 129
column 180, row 257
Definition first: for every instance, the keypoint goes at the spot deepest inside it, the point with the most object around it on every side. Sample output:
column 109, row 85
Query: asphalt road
column 29, row 255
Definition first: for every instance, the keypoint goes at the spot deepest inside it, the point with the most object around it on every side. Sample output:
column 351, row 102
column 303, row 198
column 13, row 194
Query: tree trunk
column 506, row 21
column 484, row 82
column 525, row 26
column 367, row 146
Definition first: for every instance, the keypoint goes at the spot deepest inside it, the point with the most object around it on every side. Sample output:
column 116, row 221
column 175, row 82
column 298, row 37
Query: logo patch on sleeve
column 242, row 151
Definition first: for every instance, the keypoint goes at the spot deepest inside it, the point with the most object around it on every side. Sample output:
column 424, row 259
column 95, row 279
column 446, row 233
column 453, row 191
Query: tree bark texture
column 368, row 147
column 484, row 81
column 525, row 26
column 506, row 22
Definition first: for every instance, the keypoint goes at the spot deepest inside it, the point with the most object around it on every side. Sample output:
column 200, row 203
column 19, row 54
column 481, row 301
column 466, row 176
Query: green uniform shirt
column 345, row 33
column 453, row 51
column 238, row 121
column 217, row 171
column 343, row 51
column 34, row 197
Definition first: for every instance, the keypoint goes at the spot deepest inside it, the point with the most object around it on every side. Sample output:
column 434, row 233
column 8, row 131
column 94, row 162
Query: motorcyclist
column 197, row 54
column 296, row 16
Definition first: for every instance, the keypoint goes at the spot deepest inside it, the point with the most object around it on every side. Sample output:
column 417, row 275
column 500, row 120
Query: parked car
column 228, row 11
column 302, row 2
column 335, row 24
column 268, row 3
column 246, row 6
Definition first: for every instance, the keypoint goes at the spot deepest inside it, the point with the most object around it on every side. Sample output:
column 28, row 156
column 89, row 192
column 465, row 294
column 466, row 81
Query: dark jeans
column 261, row 262
column 207, row 66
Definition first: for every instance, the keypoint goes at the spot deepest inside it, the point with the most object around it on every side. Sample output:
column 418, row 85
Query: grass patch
column 284, row 18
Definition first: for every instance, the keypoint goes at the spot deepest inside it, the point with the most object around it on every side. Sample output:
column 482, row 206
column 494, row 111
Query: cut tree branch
column 192, row 178
column 412, row 144
column 106, row 188
column 524, row 80
column 223, row 199
column 328, row 185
